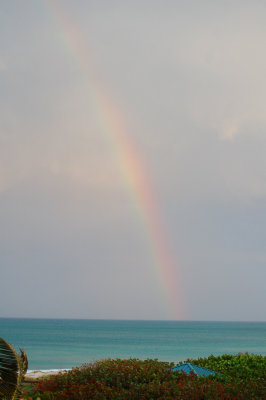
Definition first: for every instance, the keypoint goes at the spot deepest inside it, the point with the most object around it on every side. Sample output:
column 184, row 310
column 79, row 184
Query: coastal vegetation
column 242, row 377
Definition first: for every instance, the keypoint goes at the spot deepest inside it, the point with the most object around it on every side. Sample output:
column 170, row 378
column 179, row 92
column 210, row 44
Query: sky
column 132, row 159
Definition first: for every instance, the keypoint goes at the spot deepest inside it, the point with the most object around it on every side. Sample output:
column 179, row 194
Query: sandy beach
column 34, row 375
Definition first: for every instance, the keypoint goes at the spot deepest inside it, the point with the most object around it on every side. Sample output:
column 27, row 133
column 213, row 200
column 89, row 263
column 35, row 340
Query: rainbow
column 127, row 158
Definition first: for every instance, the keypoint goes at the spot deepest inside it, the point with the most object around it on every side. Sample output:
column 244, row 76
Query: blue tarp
column 187, row 367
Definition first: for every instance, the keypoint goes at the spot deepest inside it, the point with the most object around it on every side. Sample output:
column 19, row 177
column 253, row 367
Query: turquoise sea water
column 61, row 343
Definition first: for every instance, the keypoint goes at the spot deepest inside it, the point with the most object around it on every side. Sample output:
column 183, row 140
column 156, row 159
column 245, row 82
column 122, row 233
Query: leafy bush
column 242, row 366
column 150, row 379
column 246, row 370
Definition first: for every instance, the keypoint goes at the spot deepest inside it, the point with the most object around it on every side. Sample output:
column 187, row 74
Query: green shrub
column 150, row 379
column 242, row 366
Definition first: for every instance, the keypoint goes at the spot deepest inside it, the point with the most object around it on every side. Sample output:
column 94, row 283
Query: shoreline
column 33, row 375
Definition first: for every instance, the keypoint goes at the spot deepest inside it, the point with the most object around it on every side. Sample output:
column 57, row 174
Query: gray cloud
column 188, row 80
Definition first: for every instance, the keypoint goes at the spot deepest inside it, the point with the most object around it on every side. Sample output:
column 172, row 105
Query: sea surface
column 65, row 343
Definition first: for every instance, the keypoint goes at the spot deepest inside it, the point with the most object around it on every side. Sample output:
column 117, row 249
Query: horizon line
column 131, row 319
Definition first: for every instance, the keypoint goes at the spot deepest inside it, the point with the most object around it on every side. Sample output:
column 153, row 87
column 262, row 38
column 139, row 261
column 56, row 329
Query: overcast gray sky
column 188, row 81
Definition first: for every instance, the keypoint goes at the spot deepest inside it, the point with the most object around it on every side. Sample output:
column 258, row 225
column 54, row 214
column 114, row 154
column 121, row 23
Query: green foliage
column 13, row 367
column 242, row 366
column 150, row 379
column 247, row 370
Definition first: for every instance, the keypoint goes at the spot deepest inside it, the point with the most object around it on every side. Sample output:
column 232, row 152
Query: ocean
column 66, row 343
